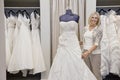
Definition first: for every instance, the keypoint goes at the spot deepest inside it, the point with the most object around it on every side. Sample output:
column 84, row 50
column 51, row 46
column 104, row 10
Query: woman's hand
column 85, row 54
column 81, row 43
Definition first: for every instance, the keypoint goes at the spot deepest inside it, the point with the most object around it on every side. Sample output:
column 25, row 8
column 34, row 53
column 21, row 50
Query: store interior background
column 36, row 3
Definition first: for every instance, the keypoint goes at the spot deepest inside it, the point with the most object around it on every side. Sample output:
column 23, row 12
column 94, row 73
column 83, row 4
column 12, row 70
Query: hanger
column 109, row 9
column 118, row 11
column 11, row 12
column 25, row 13
column 19, row 12
column 102, row 11
column 35, row 12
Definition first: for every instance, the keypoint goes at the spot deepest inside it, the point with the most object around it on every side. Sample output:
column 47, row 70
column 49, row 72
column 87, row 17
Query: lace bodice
column 11, row 22
column 68, row 27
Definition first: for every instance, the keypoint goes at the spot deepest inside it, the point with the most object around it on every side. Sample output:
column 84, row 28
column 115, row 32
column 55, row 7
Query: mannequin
column 69, row 16
column 68, row 61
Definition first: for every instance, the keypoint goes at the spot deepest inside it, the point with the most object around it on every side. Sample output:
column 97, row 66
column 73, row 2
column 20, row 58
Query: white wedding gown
column 110, row 45
column 10, row 23
column 105, row 51
column 68, row 64
column 114, row 45
column 22, row 57
column 38, row 59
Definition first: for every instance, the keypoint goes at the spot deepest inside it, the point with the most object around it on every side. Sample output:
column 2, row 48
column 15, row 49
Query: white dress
column 68, row 64
column 22, row 57
column 105, row 52
column 38, row 60
column 114, row 45
column 110, row 47
column 10, row 23
column 7, row 48
column 16, row 31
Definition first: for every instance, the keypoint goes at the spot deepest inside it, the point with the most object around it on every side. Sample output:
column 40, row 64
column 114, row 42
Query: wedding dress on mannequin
column 68, row 64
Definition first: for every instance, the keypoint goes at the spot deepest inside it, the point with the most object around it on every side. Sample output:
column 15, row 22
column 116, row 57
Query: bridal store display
column 23, row 47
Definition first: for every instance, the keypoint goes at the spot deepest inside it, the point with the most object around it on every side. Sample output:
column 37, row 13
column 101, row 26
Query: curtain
column 58, row 8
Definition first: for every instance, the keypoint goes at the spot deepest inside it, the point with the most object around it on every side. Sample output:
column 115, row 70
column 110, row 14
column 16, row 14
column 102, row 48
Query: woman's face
column 94, row 20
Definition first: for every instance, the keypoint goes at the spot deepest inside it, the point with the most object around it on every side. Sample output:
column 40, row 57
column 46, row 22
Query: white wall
column 45, row 34
column 90, row 8
column 2, row 43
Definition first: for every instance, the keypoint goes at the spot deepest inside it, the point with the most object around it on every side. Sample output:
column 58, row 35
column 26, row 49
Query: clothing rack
column 108, row 6
column 102, row 10
column 19, row 75
column 29, row 10
column 22, row 7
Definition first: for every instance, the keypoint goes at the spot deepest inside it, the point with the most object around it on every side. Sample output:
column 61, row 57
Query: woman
column 91, row 45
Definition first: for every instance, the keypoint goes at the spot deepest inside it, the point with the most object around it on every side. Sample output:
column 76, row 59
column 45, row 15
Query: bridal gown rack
column 25, row 42
column 105, row 9
column 28, row 9
column 110, row 43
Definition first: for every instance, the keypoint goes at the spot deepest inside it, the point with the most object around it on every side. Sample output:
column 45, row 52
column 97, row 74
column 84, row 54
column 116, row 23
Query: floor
column 38, row 76
column 20, row 77
column 112, row 77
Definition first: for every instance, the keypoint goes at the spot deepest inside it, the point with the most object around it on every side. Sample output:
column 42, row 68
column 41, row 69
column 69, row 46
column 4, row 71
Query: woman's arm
column 86, row 53
column 96, row 43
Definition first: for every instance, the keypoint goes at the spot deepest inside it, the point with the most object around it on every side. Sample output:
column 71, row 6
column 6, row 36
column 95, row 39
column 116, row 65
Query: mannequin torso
column 69, row 16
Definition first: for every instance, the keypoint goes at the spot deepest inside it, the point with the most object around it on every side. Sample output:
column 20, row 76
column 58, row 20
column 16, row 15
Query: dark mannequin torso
column 69, row 16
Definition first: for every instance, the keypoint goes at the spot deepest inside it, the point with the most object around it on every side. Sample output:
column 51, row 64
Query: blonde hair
column 95, row 13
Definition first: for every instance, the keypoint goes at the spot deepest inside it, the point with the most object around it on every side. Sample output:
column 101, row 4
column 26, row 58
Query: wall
column 45, row 34
column 107, row 2
column 21, row 3
column 2, row 43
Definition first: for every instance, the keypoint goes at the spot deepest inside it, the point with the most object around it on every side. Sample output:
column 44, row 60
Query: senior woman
column 91, row 45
